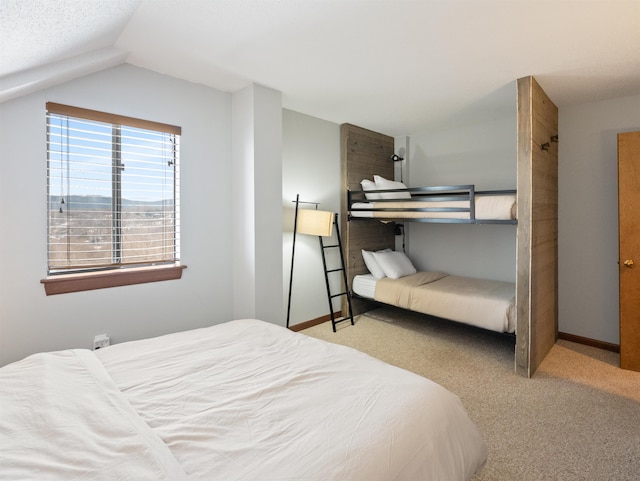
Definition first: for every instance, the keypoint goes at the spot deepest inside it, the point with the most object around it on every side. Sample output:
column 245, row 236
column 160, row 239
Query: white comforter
column 245, row 400
column 62, row 418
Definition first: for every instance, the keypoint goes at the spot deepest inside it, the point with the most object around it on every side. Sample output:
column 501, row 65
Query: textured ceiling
column 395, row 66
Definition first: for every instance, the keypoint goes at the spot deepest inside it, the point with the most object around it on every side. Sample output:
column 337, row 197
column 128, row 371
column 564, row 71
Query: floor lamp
column 310, row 222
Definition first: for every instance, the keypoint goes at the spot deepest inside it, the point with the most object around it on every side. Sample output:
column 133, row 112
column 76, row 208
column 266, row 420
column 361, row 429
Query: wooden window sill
column 87, row 281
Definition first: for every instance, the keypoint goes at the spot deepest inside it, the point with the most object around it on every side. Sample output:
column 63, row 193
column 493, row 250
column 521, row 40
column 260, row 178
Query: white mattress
column 245, row 400
column 364, row 285
column 488, row 207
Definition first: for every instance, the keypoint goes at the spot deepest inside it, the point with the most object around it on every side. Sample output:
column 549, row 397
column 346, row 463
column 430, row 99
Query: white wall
column 482, row 154
column 31, row 321
column 588, row 215
column 257, row 219
column 311, row 168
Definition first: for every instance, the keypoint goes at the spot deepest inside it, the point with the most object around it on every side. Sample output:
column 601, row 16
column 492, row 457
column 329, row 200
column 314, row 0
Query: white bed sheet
column 488, row 207
column 248, row 400
column 63, row 419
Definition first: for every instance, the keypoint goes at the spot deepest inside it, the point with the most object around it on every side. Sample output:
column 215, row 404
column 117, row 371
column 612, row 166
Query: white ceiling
column 395, row 66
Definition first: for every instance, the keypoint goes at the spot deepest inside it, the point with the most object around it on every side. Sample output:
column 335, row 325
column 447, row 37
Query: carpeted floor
column 577, row 418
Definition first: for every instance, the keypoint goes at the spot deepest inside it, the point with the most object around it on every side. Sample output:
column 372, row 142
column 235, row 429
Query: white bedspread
column 248, row 400
column 63, row 419
column 240, row 401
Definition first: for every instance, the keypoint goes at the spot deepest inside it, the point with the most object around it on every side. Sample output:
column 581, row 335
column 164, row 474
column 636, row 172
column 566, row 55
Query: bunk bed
column 371, row 210
column 392, row 279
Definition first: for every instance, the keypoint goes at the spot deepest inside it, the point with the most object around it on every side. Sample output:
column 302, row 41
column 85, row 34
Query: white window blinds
column 113, row 191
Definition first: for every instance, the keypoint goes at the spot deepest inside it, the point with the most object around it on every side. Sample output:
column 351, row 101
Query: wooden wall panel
column 537, row 240
column 364, row 153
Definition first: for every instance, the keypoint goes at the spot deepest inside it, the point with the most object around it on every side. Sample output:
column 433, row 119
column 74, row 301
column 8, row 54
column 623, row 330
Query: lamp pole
column 293, row 253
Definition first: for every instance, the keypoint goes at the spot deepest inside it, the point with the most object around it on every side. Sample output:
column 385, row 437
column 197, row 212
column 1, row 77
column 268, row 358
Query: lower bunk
column 483, row 303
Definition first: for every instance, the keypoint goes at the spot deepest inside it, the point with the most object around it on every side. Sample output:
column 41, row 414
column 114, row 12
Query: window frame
column 113, row 276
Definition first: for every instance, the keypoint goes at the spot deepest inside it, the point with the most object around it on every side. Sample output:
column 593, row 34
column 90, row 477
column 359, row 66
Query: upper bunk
column 461, row 204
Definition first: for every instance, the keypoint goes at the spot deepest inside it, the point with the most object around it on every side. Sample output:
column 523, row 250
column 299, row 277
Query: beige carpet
column 577, row 418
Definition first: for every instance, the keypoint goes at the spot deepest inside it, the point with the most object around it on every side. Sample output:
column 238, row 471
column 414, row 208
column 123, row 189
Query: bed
column 383, row 199
column 242, row 400
column 392, row 279
column 482, row 303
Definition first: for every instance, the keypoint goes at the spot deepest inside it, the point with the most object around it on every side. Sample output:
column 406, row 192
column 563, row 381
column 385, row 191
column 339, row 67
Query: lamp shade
column 315, row 222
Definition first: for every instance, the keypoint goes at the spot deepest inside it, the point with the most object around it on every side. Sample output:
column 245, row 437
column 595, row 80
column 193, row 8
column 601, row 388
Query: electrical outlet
column 100, row 341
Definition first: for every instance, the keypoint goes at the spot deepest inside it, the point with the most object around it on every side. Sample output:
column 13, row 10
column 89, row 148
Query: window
column 113, row 193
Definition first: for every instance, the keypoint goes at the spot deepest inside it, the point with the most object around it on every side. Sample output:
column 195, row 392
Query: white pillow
column 394, row 264
column 384, row 184
column 372, row 265
column 370, row 185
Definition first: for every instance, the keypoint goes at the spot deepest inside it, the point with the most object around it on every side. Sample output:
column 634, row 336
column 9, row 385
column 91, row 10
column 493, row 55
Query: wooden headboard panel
column 364, row 153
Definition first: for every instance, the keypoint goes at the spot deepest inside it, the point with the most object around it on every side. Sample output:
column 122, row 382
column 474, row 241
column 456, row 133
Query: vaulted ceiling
column 395, row 66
